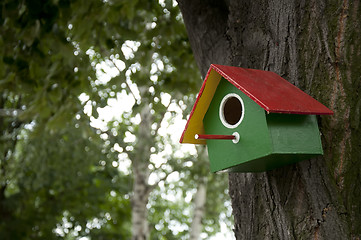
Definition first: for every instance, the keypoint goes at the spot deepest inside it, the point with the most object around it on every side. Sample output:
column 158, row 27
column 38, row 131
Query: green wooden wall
column 255, row 141
column 267, row 141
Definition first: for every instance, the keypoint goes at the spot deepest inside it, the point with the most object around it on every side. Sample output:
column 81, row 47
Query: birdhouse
column 253, row 120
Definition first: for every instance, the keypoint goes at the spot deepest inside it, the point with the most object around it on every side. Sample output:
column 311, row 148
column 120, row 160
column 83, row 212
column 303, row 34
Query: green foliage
column 59, row 176
column 39, row 61
column 52, row 173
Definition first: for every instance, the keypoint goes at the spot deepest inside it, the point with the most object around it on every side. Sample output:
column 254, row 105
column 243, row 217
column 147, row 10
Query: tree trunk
column 316, row 46
column 199, row 209
column 140, row 230
column 141, row 188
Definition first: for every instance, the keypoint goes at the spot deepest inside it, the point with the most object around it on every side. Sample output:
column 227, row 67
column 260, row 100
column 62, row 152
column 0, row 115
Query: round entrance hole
column 231, row 110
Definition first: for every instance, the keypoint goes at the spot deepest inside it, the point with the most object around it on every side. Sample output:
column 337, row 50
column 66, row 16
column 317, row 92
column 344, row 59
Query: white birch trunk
column 140, row 230
column 141, row 188
column 199, row 209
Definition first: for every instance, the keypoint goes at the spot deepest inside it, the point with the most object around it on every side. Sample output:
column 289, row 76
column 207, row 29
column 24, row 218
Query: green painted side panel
column 255, row 141
column 293, row 133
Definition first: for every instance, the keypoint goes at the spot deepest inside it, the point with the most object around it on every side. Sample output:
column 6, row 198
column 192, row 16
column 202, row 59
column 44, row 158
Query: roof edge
column 325, row 111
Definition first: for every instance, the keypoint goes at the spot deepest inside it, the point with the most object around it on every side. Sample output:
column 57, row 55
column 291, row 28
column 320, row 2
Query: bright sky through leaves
column 123, row 103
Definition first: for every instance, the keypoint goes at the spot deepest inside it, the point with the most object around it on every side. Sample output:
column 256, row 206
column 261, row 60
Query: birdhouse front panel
column 231, row 111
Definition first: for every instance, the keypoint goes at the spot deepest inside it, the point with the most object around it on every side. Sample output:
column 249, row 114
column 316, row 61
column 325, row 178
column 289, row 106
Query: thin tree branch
column 162, row 118
column 128, row 86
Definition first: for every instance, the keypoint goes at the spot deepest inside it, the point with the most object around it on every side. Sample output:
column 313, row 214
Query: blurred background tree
column 65, row 171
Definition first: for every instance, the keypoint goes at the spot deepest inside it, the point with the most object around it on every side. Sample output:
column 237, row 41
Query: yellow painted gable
column 195, row 122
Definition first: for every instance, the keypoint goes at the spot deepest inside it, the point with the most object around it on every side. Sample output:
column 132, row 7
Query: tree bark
column 141, row 188
column 199, row 209
column 199, row 199
column 316, row 46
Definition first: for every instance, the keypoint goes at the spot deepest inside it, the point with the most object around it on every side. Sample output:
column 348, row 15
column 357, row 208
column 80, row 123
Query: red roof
column 270, row 91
